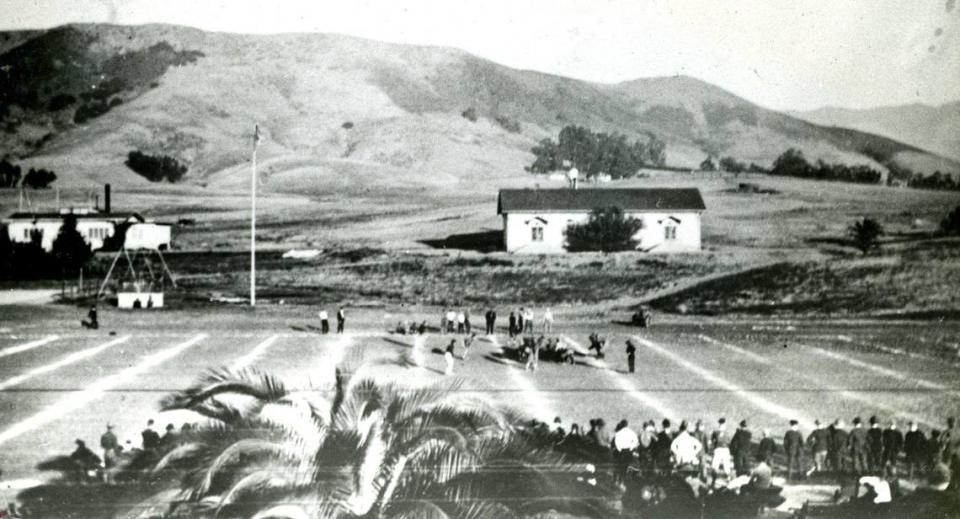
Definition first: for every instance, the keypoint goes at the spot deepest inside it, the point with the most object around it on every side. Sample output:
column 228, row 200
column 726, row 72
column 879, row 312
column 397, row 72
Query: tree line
column 11, row 175
column 792, row 163
column 593, row 153
column 28, row 260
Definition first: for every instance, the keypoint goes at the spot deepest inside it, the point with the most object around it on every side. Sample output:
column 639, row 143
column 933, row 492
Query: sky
column 782, row 54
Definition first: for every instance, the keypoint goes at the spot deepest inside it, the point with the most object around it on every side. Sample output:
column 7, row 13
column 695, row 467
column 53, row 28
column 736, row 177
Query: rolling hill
column 936, row 128
column 355, row 115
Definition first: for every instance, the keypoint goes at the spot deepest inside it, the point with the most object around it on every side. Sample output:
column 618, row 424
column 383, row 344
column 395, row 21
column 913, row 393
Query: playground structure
column 142, row 287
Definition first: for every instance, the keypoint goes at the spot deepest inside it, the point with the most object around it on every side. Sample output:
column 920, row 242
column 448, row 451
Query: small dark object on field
column 186, row 222
column 640, row 318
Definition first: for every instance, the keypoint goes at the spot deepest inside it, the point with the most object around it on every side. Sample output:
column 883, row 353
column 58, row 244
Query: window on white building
column 536, row 233
column 670, row 233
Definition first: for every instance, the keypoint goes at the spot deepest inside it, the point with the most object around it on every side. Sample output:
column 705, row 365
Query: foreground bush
column 607, row 230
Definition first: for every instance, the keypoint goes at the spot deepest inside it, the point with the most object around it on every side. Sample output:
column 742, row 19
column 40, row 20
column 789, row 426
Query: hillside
column 345, row 114
column 935, row 128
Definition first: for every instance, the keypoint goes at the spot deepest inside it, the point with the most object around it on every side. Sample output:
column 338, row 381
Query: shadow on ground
column 484, row 241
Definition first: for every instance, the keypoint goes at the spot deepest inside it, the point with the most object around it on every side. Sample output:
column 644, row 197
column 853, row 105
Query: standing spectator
column 625, row 441
column 701, row 435
column 512, row 324
column 631, row 356
column 874, row 446
column 110, row 446
column 461, row 322
column 819, row 442
column 915, row 449
column 451, row 320
column 934, row 448
column 169, row 438
column 892, row 445
column 341, row 319
column 443, row 321
column 857, row 445
column 324, row 322
column 838, row 446
column 521, row 316
column 722, row 461
column 491, row 318
column 767, row 447
column 150, row 437
column 528, row 321
column 662, row 447
column 597, row 434
column 648, row 441
column 793, row 448
column 547, row 321
column 466, row 321
column 951, row 450
column 685, row 448
column 740, row 448
column 448, row 356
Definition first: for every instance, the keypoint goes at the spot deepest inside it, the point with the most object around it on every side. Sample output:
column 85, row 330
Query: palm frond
column 247, row 447
column 283, row 512
column 223, row 381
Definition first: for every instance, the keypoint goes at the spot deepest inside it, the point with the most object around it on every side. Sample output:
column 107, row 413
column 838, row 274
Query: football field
column 59, row 383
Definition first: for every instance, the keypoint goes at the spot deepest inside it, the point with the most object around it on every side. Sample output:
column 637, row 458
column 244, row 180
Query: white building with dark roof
column 535, row 220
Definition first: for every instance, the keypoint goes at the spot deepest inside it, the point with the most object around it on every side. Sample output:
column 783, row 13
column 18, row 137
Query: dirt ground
column 62, row 383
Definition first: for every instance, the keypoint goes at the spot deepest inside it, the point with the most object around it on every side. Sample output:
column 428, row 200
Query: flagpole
column 253, row 221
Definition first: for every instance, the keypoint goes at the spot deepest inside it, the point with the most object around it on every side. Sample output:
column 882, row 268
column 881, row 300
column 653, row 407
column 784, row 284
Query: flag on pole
column 256, row 135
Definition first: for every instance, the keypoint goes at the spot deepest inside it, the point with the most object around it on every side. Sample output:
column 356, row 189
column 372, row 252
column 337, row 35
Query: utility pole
column 253, row 218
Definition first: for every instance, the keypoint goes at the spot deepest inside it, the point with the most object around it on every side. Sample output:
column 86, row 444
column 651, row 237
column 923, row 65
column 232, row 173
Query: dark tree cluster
column 24, row 261
column 935, row 181
column 155, row 168
column 594, row 153
column 792, row 163
column 607, row 230
column 865, row 235
column 11, row 176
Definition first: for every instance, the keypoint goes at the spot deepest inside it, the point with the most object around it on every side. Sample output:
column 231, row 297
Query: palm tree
column 367, row 450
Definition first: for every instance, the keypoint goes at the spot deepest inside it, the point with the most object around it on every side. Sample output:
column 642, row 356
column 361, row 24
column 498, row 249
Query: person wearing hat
column 793, row 448
column 915, row 449
column 838, row 447
column 819, row 442
column 874, row 446
column 110, row 446
column 740, row 448
column 857, row 446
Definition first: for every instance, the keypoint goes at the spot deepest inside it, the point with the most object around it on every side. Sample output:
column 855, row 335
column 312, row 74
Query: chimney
column 106, row 198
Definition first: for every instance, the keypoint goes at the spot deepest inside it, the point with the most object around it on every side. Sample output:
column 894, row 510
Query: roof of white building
column 576, row 200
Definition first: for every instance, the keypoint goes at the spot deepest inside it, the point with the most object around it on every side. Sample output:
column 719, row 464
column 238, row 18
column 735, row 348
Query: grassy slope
column 404, row 102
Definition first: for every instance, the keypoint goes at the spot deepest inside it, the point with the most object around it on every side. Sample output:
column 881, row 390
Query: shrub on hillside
column 470, row 114
column 607, row 230
column 155, row 168
column 89, row 110
column 951, row 224
column 594, row 153
column 732, row 165
column 708, row 165
column 39, row 178
column 508, row 124
column 865, row 235
column 935, row 181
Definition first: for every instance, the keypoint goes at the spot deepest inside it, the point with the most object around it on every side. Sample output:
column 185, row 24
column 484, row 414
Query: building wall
column 93, row 231
column 147, row 236
column 521, row 237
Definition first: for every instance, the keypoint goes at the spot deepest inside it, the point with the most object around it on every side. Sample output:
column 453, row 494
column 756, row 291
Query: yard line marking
column 64, row 361
column 94, row 391
column 843, row 393
column 254, row 354
column 327, row 362
column 625, row 384
column 896, row 351
column 771, row 407
column 28, row 346
column 877, row 369
column 541, row 407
